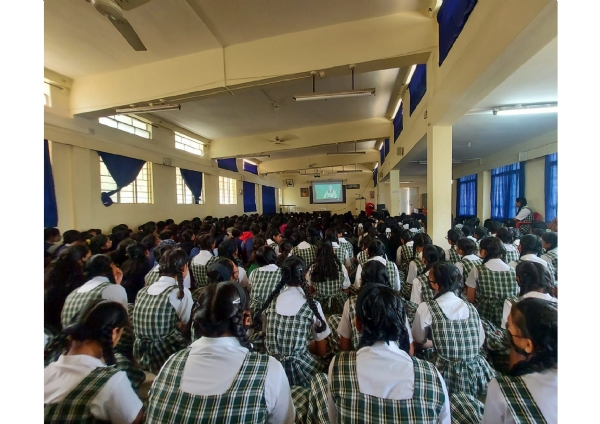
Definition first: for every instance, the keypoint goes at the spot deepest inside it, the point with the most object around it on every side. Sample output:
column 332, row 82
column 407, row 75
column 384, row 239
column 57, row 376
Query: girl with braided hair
column 199, row 264
column 416, row 265
column 153, row 275
column 135, row 269
column 161, row 312
column 263, row 280
column 381, row 380
column 328, row 279
column 294, row 325
column 529, row 393
column 219, row 378
column 420, row 290
column 82, row 386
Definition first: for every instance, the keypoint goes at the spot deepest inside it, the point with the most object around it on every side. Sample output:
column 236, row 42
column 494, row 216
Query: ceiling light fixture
column 397, row 108
column 150, row 108
column 334, row 95
column 410, row 74
column 529, row 109
column 253, row 156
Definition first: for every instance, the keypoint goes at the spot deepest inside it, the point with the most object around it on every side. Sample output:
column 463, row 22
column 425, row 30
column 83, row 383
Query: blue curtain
column 382, row 155
column 452, row 17
column 508, row 183
column 386, row 146
column 193, row 179
column 124, row 171
column 466, row 196
column 229, row 164
column 249, row 197
column 268, row 199
column 248, row 167
column 398, row 122
column 551, row 187
column 417, row 86
column 375, row 172
column 50, row 208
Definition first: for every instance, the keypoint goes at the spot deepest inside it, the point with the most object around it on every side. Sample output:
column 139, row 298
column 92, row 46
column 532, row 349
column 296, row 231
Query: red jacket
column 246, row 235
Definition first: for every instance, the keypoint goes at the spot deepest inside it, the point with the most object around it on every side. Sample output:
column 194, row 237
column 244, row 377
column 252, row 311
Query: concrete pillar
column 439, row 182
column 484, row 190
column 394, row 195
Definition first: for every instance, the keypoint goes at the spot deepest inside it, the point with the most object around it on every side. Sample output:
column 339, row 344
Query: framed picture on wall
column 289, row 183
column 353, row 186
column 304, row 192
column 371, row 195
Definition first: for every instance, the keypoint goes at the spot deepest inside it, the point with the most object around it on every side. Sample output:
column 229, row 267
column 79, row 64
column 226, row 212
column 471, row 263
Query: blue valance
column 375, row 172
column 399, row 122
column 551, row 187
column 249, row 167
column 386, row 146
column 452, row 17
column 417, row 86
column 50, row 207
column 268, row 199
column 230, row 164
column 122, row 169
column 249, row 197
column 382, row 155
column 193, row 180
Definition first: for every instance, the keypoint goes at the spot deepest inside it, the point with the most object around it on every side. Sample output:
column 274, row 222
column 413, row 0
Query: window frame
column 131, row 188
column 182, row 187
column 227, row 191
column 128, row 124
column 183, row 139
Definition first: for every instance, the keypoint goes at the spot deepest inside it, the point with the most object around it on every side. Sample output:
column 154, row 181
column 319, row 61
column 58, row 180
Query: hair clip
column 236, row 301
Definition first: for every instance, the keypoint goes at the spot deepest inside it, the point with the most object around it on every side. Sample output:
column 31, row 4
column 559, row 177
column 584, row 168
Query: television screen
column 328, row 192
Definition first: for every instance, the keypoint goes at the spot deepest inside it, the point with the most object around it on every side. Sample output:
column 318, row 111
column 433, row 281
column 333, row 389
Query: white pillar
column 394, row 195
column 484, row 190
column 439, row 183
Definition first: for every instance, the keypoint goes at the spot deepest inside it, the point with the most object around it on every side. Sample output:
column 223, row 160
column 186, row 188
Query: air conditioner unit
column 167, row 161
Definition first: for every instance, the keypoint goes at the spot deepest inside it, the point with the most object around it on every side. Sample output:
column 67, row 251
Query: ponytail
column 172, row 263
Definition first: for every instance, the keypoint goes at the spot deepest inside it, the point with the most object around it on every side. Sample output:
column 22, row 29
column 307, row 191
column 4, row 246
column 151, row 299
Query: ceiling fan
column 113, row 10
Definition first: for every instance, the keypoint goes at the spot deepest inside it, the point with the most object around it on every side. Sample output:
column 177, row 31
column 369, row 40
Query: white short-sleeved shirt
column 213, row 365
column 303, row 245
column 460, row 266
column 452, row 306
column 492, row 265
column 399, row 252
column 114, row 292
column 385, row 371
column 289, row 302
column 508, row 306
column 347, row 260
column 547, row 258
column 267, row 268
column 202, row 257
column 523, row 213
column 531, row 258
column 183, row 307
column 345, row 284
column 412, row 269
column 415, row 295
column 358, row 279
column 273, row 245
column 543, row 388
column 346, row 328
column 116, row 402
column 510, row 247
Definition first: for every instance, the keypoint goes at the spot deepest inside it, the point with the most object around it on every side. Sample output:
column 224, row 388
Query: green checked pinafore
column 511, row 255
column 152, row 277
column 465, row 409
column 362, row 257
column 77, row 301
column 406, row 288
column 330, row 295
column 287, row 339
column 243, row 402
column 263, row 284
column 199, row 273
column 453, row 255
column 493, row 288
column 155, row 329
column 334, row 322
column 393, row 274
column 427, row 293
column 356, row 407
column 468, row 265
column 341, row 253
column 75, row 407
column 551, row 269
column 406, row 254
column 554, row 259
column 309, row 255
column 311, row 403
column 457, row 358
column 522, row 406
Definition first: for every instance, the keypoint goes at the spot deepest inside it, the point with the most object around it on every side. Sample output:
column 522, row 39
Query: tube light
column 410, row 74
column 349, row 171
column 338, row 95
column 397, row 108
column 527, row 110
column 151, row 108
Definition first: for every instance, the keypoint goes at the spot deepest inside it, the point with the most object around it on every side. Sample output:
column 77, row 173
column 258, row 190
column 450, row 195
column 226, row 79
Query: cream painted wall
column 534, row 184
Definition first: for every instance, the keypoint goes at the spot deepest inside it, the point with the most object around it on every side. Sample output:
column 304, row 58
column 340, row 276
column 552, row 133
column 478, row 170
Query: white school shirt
column 183, row 307
column 303, row 245
column 387, row 372
column 510, row 247
column 531, row 258
column 270, row 243
column 492, row 265
column 345, row 328
column 507, row 305
column 345, row 284
column 415, row 295
column 412, row 268
column 473, row 238
column 116, row 402
column 399, row 253
column 347, row 260
column 460, row 266
column 212, row 367
column 358, row 279
column 523, row 214
column 268, row 268
column 543, row 387
column 202, row 257
column 452, row 306
column 547, row 258
column 289, row 302
column 114, row 292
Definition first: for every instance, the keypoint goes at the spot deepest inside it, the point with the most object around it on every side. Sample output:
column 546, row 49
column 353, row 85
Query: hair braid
column 106, row 341
column 322, row 325
column 180, row 283
column 272, row 296
column 238, row 330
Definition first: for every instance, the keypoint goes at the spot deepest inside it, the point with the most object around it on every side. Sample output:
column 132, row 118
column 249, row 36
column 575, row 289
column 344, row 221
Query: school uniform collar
column 379, row 259
column 334, row 244
column 303, row 245
column 495, row 260
column 167, row 281
column 80, row 360
column 471, row 257
column 270, row 267
column 555, row 250
column 341, row 239
column 380, row 346
column 269, row 242
column 101, row 279
column 209, row 342
column 409, row 243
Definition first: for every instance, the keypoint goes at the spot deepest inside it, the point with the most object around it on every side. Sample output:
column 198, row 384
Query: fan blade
column 127, row 31
column 127, row 5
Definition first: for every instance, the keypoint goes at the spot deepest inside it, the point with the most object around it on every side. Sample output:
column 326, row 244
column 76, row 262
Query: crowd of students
column 301, row 318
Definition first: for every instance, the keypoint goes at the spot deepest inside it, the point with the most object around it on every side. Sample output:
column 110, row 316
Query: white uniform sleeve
column 242, row 277
column 116, row 402
column 325, row 333
column 412, row 271
column 399, row 257
column 513, row 265
column 116, row 293
column 397, row 281
column 505, row 313
column 415, row 295
column 522, row 214
column 445, row 417
column 187, row 281
column 472, row 278
column 183, row 307
column 407, row 325
column 345, row 326
column 346, row 282
column 495, row 409
column 277, row 394
column 546, row 258
column 331, row 409
column 421, row 323
column 348, row 261
column 357, row 279
column 459, row 265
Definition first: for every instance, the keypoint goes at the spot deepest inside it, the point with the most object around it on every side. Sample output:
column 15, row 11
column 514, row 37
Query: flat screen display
column 328, row 192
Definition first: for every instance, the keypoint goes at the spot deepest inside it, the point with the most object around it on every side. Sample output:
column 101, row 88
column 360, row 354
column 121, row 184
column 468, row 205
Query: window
column 127, row 124
column 466, row 196
column 184, row 195
column 507, row 184
column 139, row 191
column 551, row 187
column 227, row 191
column 188, row 144
column 280, row 197
column 47, row 95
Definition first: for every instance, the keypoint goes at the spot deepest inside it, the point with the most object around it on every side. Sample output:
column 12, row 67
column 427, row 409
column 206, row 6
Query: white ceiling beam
column 320, row 161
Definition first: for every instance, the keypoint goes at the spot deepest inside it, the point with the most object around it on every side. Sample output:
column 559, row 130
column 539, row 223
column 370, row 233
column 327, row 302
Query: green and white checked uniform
column 77, row 301
column 493, row 288
column 330, row 295
column 355, row 407
column 468, row 265
column 427, row 293
column 75, row 407
column 406, row 254
column 525, row 228
column 263, row 284
column 550, row 269
column 456, row 344
column 135, row 374
column 341, row 253
column 465, row 409
column 152, row 277
column 155, row 329
column 411, row 310
column 406, row 288
column 453, row 255
column 523, row 408
column 347, row 246
column 512, row 255
column 311, row 403
column 243, row 402
column 554, row 259
column 393, row 274
column 362, row 257
column 200, row 277
column 287, row 339
column 309, row 255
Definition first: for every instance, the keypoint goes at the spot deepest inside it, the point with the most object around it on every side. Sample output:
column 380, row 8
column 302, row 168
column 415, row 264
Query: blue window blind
column 508, row 183
column 417, row 86
column 193, row 180
column 228, row 164
column 386, row 146
column 382, row 154
column 466, row 196
column 124, row 171
column 50, row 207
column 398, row 122
column 268, row 198
column 249, row 167
column 551, row 186
column 249, row 197
column 452, row 17
column 375, row 172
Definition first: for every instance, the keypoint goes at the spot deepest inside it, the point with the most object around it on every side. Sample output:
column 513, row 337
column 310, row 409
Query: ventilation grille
column 167, row 161
column 400, row 151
